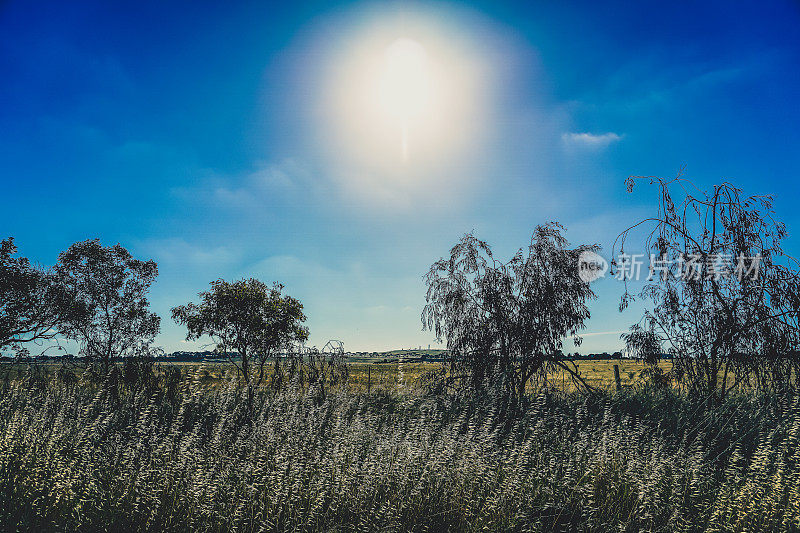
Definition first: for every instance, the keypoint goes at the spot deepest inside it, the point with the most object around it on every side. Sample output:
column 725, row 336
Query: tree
column 643, row 344
column 33, row 304
column 504, row 322
column 112, row 287
column 726, row 296
column 246, row 317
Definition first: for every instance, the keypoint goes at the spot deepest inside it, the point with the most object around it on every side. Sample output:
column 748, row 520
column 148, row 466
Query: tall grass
column 80, row 458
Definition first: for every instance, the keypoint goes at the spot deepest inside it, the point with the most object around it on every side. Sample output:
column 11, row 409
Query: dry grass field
column 402, row 376
column 597, row 373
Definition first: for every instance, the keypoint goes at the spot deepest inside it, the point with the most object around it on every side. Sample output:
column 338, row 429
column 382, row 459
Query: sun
column 401, row 105
column 406, row 89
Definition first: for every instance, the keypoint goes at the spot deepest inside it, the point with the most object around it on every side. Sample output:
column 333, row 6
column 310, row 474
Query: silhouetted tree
column 504, row 322
column 726, row 297
column 643, row 344
column 112, row 287
column 246, row 317
column 34, row 305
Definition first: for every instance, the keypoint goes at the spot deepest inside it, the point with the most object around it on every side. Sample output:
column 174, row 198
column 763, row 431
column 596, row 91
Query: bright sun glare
column 403, row 107
column 405, row 87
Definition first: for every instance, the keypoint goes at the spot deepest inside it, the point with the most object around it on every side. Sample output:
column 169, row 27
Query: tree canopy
column 726, row 296
column 112, row 286
column 505, row 322
column 34, row 305
column 247, row 317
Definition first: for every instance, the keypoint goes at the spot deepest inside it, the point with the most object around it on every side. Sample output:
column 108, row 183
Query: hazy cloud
column 290, row 266
column 176, row 251
column 590, row 140
column 285, row 177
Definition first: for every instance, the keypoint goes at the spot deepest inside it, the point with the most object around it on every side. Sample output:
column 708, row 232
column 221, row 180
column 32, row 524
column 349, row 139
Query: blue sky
column 222, row 140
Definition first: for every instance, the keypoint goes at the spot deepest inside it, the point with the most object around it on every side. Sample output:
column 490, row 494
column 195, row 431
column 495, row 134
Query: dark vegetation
column 724, row 329
column 504, row 322
column 250, row 319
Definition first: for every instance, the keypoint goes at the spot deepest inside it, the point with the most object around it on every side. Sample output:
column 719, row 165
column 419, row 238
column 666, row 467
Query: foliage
column 33, row 304
column 79, row 459
column 112, row 287
column 504, row 322
column 726, row 297
column 321, row 370
column 643, row 344
column 247, row 317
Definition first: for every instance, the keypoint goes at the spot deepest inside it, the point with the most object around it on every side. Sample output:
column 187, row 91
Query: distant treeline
column 390, row 356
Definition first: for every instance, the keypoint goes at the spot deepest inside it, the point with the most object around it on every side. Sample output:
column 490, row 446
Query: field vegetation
column 392, row 377
column 171, row 453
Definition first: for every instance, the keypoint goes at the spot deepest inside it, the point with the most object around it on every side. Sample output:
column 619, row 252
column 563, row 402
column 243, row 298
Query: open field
column 597, row 373
column 378, row 376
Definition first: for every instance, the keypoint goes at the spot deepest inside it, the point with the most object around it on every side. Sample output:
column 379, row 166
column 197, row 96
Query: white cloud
column 590, row 140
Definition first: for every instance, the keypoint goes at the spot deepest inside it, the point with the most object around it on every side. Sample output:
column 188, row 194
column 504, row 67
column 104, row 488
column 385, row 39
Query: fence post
column 616, row 378
column 369, row 378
